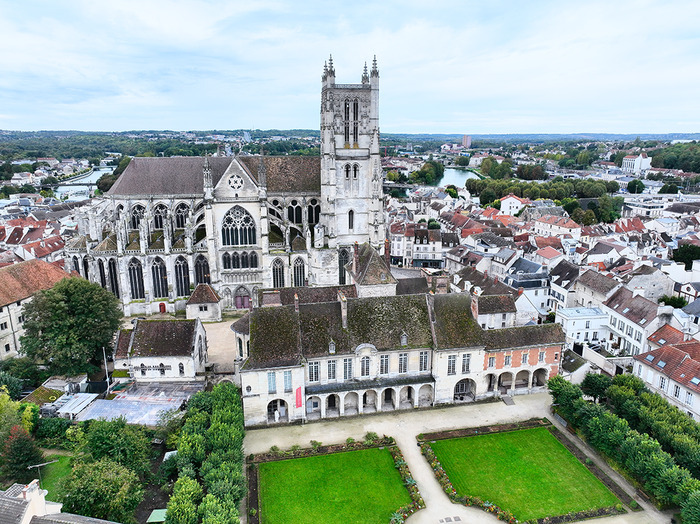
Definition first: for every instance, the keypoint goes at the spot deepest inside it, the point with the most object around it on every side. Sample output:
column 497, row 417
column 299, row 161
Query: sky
column 467, row 67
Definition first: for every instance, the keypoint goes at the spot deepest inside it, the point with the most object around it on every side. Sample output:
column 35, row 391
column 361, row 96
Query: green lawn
column 355, row 486
column 53, row 473
column 527, row 472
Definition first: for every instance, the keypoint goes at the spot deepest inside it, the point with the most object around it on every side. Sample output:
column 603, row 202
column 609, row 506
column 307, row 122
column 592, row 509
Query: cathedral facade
column 241, row 223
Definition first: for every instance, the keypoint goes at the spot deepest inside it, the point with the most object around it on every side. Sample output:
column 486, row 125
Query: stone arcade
column 350, row 356
column 241, row 223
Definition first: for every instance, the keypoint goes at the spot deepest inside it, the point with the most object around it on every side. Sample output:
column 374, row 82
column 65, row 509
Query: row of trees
column 491, row 168
column 556, row 189
column 678, row 156
column 211, row 482
column 634, row 450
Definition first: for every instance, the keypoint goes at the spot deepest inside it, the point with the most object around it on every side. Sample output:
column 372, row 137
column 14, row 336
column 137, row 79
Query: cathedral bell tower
column 351, row 173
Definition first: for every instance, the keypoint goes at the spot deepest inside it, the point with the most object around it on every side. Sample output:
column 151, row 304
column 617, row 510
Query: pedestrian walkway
column 405, row 425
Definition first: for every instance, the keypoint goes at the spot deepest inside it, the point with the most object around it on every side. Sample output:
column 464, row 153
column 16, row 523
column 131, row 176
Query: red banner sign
column 299, row 397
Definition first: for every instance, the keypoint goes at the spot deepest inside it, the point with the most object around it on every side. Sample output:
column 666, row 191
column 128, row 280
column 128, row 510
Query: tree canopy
column 686, row 254
column 103, row 490
column 635, row 186
column 68, row 325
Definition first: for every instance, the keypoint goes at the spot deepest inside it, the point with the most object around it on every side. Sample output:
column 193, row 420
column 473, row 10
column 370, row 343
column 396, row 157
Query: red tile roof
column 680, row 362
column 20, row 281
column 666, row 334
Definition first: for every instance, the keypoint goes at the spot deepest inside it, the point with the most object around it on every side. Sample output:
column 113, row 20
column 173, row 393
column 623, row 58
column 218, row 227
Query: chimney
column 520, row 291
column 355, row 257
column 387, row 252
column 296, row 302
column 486, row 273
column 343, row 308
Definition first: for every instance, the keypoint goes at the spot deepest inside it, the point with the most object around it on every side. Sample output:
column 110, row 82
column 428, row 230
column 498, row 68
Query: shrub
column 371, row 437
column 52, row 428
column 20, row 451
column 315, row 444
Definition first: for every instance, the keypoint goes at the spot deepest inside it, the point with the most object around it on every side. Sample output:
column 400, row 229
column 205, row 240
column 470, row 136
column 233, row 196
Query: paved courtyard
column 405, row 425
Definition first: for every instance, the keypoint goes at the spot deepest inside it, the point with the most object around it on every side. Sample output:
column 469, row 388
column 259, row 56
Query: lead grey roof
column 11, row 509
column 68, row 518
column 167, row 176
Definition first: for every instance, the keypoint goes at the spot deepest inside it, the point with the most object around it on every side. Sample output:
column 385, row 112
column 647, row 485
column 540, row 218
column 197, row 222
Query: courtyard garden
column 361, row 486
column 526, row 472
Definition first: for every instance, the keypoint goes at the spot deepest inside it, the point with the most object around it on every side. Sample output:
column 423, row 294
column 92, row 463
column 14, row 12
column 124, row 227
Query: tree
column 462, row 161
column 579, row 215
column 20, row 451
column 117, row 441
column 691, row 509
column 68, row 325
column 594, row 385
column 677, row 302
column 12, row 384
column 433, row 224
column 589, row 218
column 9, row 415
column 636, row 186
column 182, row 506
column 103, row 490
column 686, row 254
column 669, row 188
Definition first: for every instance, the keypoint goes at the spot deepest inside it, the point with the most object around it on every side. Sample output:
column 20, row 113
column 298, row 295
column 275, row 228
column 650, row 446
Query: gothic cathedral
column 241, row 223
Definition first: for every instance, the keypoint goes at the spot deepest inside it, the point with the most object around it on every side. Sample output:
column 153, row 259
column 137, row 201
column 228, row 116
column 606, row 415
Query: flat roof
column 77, row 403
column 575, row 312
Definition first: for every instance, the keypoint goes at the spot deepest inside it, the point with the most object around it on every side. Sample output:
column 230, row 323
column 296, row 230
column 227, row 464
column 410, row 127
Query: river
column 456, row 177
column 82, row 190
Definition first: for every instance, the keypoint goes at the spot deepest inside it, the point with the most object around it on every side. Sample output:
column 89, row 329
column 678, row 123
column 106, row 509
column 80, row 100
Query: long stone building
column 345, row 356
column 241, row 223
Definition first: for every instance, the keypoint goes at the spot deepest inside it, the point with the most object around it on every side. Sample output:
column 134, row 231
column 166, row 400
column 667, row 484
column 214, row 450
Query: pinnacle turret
column 375, row 71
column 365, row 76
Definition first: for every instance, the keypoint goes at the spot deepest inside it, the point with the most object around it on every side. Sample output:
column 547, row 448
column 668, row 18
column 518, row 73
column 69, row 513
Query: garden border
column 398, row 517
column 503, row 514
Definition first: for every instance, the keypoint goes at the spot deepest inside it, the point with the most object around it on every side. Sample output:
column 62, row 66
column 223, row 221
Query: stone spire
column 375, row 71
column 331, row 70
column 365, row 76
column 325, row 71
column 208, row 182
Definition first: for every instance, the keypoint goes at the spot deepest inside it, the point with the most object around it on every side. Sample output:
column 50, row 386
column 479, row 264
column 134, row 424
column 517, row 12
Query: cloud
column 456, row 66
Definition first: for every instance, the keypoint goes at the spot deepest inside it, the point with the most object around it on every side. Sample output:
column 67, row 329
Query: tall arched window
column 103, row 276
column 355, row 171
column 277, row 273
column 253, row 259
column 244, row 260
column 136, row 216
column 347, row 171
column 160, row 213
column 76, row 265
column 181, row 369
column 226, row 260
column 238, row 227
column 240, row 348
column 351, row 219
column 299, row 273
column 314, row 211
column 136, row 279
column 201, row 271
column 347, row 121
column 113, row 277
column 235, row 261
column 181, row 213
column 86, row 268
column 343, row 259
column 294, row 212
column 356, row 120
column 364, row 366
column 182, row 277
column 160, row 278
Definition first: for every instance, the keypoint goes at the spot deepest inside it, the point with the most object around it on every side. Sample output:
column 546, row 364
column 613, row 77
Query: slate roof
column 242, row 325
column 12, row 509
column 564, row 274
column 281, row 337
column 203, row 294
column 597, row 282
column 490, row 304
column 309, row 294
column 371, row 267
column 20, row 281
column 488, row 286
column 156, row 338
column 412, row 286
column 526, row 336
column 286, row 174
column 693, row 308
column 121, row 346
column 634, row 308
column 68, row 518
column 147, row 176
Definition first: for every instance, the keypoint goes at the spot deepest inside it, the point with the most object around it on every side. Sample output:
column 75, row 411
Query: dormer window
column 404, row 339
column 331, row 347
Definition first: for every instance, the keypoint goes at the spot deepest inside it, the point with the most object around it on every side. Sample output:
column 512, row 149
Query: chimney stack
column 355, row 257
column 520, row 291
column 343, row 309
